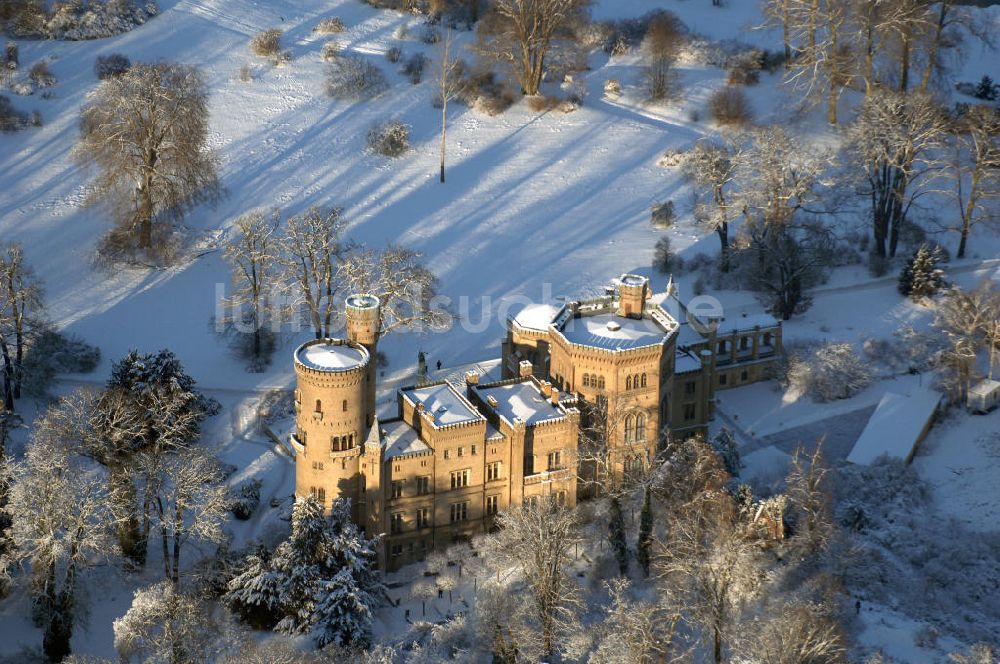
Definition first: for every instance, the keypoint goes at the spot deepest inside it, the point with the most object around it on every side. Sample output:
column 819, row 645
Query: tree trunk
column 785, row 38
column 164, row 539
column 444, row 126
column 970, row 209
column 932, row 52
column 8, row 377
column 904, row 61
column 178, row 529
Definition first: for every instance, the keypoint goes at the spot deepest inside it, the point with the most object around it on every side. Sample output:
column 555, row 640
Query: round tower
column 363, row 322
column 331, row 427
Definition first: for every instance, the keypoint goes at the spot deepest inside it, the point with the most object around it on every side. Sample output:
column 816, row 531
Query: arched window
column 640, row 427
column 335, row 443
column 643, row 379
column 629, row 428
column 319, row 406
column 635, row 381
column 600, row 382
column 345, row 405
column 628, row 382
column 350, row 441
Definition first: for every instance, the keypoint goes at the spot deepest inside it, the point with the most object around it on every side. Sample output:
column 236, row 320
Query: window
column 586, row 380
column 397, row 550
column 397, row 489
column 473, row 450
column 629, row 428
column 600, row 382
column 492, row 471
column 767, row 338
column 628, row 382
column 689, row 387
column 744, row 343
column 531, row 501
column 461, row 452
column 722, row 347
column 635, row 382
column 423, row 518
column 640, row 427
column 300, row 434
column 643, row 379
column 492, row 505
column 744, row 375
column 447, row 454
column 458, row 512
column 689, row 411
column 723, row 379
column 396, row 523
column 319, row 406
column 555, row 460
column 423, row 485
column 317, row 465
column 321, row 496
column 561, row 498
column 344, row 406
column 460, row 479
column 633, row 464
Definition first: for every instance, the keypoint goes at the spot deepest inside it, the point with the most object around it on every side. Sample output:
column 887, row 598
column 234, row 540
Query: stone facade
column 619, row 368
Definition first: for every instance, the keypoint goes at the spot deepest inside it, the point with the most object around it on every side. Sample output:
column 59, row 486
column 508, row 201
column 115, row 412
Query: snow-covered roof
column 399, row 438
column 688, row 336
column 536, row 316
column 895, row 427
column 984, row 388
column 521, row 400
column 445, row 402
column 331, row 355
column 686, row 363
column 613, row 332
column 746, row 322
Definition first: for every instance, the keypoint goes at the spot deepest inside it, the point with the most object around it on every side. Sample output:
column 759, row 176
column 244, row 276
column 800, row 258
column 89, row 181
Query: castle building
column 618, row 371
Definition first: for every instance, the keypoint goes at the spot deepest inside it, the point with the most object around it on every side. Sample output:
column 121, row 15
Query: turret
column 632, row 293
column 363, row 322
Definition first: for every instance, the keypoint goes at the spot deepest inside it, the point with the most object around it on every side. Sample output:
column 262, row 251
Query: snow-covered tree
column 645, row 538
column 321, row 581
column 725, row 446
column 921, row 277
column 311, row 251
column 975, row 169
column 166, row 625
column 60, row 526
column 832, row 371
column 252, row 256
column 20, row 306
column 146, row 134
column 793, row 632
column 537, row 540
column 810, row 501
column 634, row 631
column 712, row 165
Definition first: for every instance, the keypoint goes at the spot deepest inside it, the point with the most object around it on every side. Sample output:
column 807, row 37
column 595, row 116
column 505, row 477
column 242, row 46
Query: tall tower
column 330, row 420
column 363, row 322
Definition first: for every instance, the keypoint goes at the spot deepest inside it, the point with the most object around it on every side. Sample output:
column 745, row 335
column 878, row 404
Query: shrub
column 354, row 78
column 244, row 499
column 985, row 89
column 23, row 88
column 744, row 68
column 329, row 26
column 266, row 43
column 330, row 51
column 10, row 119
column 36, row 119
column 662, row 215
column 50, row 353
column 486, row 93
column 41, row 75
column 729, row 106
column 430, row 35
column 613, row 88
column 111, row 65
column 543, row 103
column 394, row 54
column 921, row 277
column 414, row 67
column 833, row 371
column 390, row 139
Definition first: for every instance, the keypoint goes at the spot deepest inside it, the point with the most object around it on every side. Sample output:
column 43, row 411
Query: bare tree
column 521, row 32
column 20, row 304
column 449, row 82
column 823, row 61
column 635, row 631
column 793, row 632
column 713, row 166
column 537, row 540
column 60, row 526
column 253, row 256
column 808, row 492
column 969, row 314
column 146, row 133
column 189, row 502
column 779, row 12
column 976, row 169
column 661, row 44
column 897, row 140
column 311, row 251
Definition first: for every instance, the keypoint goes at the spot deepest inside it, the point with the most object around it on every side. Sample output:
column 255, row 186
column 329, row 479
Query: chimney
column 546, row 387
column 524, row 369
column 472, row 378
column 555, row 397
column 420, row 406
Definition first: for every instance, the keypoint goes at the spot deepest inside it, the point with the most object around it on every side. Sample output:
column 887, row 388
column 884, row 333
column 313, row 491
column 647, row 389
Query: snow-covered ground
column 536, row 205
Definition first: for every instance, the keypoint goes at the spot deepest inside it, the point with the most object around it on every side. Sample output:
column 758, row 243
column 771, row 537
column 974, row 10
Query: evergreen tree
column 321, row 581
column 724, row 444
column 645, row 533
column 616, row 535
column 985, row 89
column 921, row 277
